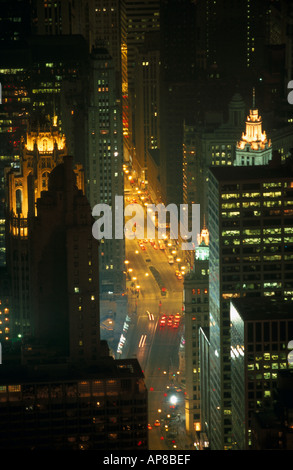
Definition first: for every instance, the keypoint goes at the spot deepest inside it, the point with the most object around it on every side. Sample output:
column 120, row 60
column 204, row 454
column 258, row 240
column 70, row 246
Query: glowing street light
column 173, row 400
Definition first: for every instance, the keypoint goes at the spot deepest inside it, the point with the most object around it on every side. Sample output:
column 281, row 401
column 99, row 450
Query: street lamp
column 173, row 400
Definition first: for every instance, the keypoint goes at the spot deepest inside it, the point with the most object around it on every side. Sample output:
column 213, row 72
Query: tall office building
column 256, row 37
column 250, row 225
column 15, row 20
column 32, row 74
column 57, row 407
column 178, row 92
column 146, row 104
column 121, row 26
column 64, row 284
column 64, row 17
column 272, row 428
column 231, row 33
column 204, row 354
column 110, row 31
column 260, row 333
column 196, row 316
column 142, row 16
column 105, row 161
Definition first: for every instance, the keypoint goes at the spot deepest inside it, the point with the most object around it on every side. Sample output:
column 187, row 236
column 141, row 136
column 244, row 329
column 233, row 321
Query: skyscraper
column 231, row 33
column 60, row 407
column 110, row 31
column 254, row 148
column 43, row 149
column 196, row 317
column 64, row 285
column 64, row 17
column 142, row 16
column 105, row 160
column 33, row 72
column 260, row 332
column 146, row 104
column 250, row 224
column 178, row 93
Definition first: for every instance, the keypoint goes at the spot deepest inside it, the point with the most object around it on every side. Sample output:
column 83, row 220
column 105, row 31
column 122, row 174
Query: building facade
column 104, row 165
column 210, row 143
column 64, row 268
column 260, row 332
column 254, row 148
column 43, row 149
column 196, row 316
column 250, row 225
column 146, row 104
column 58, row 408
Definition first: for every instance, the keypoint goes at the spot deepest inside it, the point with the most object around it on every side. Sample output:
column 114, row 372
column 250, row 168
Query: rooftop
column 263, row 308
column 274, row 170
column 105, row 368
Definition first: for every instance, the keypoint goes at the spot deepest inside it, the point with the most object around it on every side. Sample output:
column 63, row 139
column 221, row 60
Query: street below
column 155, row 290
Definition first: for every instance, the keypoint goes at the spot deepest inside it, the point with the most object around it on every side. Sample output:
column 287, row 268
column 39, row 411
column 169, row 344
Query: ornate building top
column 42, row 150
column 254, row 148
column 254, row 136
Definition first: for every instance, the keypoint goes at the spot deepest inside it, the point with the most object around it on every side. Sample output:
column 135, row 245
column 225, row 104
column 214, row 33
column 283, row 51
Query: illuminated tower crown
column 42, row 150
column 254, row 148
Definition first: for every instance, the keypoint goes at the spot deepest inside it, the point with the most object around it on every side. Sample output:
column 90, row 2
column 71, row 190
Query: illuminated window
column 14, row 388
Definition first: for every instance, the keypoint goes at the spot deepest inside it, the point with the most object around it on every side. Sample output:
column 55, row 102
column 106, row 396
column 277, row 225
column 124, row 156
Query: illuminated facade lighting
column 254, row 148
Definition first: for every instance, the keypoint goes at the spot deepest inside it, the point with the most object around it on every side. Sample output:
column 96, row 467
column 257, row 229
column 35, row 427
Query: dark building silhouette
column 64, row 268
column 64, row 390
column 272, row 427
column 178, row 91
column 59, row 407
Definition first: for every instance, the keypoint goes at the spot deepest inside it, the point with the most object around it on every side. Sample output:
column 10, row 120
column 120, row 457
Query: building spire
column 254, row 148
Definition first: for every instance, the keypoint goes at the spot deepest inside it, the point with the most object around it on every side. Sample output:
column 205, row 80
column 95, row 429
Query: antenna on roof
column 253, row 98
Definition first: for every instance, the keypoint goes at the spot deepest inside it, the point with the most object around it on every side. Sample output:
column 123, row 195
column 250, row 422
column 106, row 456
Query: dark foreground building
column 59, row 387
column 61, row 407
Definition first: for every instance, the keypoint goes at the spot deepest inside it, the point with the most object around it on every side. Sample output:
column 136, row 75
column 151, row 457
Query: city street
column 154, row 290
